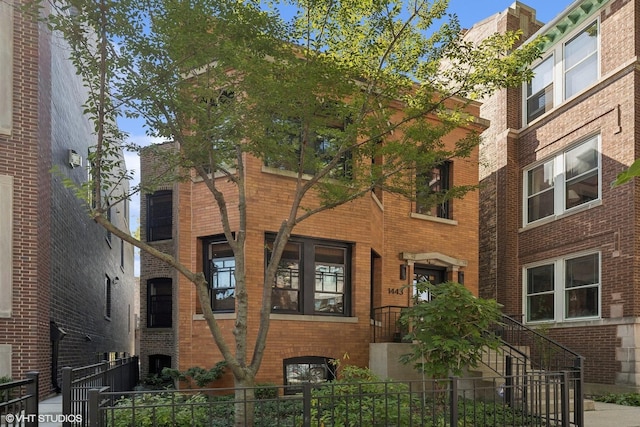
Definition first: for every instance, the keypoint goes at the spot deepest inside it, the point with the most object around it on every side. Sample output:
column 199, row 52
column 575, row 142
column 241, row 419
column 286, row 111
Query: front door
column 427, row 273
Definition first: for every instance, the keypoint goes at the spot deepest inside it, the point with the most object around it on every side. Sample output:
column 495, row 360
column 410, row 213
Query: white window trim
column 559, row 291
column 559, row 186
column 558, row 52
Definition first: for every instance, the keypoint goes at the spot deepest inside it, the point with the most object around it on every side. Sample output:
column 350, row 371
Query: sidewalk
column 610, row 415
column 51, row 406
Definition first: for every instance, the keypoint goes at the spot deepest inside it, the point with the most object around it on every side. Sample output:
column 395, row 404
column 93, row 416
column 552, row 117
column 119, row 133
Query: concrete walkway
column 610, row 415
column 51, row 406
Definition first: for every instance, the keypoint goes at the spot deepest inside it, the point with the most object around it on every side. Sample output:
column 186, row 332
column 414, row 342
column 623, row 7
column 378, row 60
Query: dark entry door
column 433, row 275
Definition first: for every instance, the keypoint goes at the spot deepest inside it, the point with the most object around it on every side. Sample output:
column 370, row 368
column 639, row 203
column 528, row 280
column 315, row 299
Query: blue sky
column 468, row 11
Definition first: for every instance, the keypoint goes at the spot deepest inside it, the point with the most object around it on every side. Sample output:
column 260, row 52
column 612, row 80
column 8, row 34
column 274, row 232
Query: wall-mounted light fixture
column 116, row 280
column 403, row 271
column 75, row 159
column 461, row 277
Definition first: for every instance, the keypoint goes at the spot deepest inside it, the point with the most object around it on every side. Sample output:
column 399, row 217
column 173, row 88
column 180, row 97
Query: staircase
column 534, row 369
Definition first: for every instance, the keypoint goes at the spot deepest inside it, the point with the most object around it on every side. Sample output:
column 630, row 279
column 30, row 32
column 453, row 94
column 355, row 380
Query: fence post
column 564, row 398
column 67, row 378
column 93, row 406
column 578, row 393
column 453, row 401
column 32, row 401
column 508, row 386
column 306, row 404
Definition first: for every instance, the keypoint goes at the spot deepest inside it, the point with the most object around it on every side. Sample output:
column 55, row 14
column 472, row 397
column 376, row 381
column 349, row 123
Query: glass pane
column 582, row 190
column 582, row 271
column 542, row 77
column 581, row 46
column 223, row 273
column 284, row 300
column 306, row 373
column 581, row 159
column 540, row 279
column 328, row 303
column 581, row 76
column 224, row 300
column 582, row 302
column 540, row 206
column 540, row 307
column 540, row 178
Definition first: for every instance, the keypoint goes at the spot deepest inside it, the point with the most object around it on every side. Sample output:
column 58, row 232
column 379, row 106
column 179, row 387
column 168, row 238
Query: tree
column 450, row 332
column 628, row 174
column 320, row 94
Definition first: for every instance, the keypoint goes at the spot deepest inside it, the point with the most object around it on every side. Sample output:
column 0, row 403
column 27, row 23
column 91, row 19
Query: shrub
column 160, row 409
column 266, row 391
column 359, row 397
column 199, row 375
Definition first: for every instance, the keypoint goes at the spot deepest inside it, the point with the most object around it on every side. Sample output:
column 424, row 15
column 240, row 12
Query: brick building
column 374, row 247
column 558, row 245
column 66, row 286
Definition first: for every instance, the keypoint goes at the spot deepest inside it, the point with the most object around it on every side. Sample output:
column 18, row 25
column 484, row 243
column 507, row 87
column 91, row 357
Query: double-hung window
column 565, row 181
column 568, row 69
column 159, row 215
column 159, row 303
column 220, row 268
column 313, row 277
column 563, row 289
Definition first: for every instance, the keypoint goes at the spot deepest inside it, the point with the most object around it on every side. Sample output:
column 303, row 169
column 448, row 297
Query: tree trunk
column 245, row 401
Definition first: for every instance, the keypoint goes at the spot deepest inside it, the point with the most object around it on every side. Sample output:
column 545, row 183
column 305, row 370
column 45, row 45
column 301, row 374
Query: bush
column 160, row 409
column 266, row 391
column 359, row 397
column 199, row 375
column 5, row 394
column 627, row 399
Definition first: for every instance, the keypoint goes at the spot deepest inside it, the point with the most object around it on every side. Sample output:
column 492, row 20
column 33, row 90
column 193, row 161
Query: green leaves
column 450, row 331
column 627, row 175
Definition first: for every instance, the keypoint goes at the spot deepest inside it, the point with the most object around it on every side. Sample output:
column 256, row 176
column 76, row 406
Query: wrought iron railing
column 19, row 402
column 119, row 375
column 444, row 402
column 385, row 322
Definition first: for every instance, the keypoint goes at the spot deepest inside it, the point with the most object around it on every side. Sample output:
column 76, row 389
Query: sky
column 468, row 12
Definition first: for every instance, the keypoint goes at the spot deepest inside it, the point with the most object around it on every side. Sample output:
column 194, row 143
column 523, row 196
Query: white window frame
column 560, row 289
column 559, row 72
column 557, row 161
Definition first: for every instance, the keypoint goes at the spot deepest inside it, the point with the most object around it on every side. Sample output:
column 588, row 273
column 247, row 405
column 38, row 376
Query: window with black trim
column 324, row 145
column 159, row 215
column 107, row 297
column 157, row 362
column 220, row 268
column 306, row 369
column 159, row 303
column 313, row 277
column 431, row 186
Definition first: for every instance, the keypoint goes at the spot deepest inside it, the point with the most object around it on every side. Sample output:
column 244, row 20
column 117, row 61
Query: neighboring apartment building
column 558, row 245
column 344, row 267
column 66, row 285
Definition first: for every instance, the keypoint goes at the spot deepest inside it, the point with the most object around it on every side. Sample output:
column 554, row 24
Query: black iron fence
column 544, row 400
column 19, row 402
column 119, row 375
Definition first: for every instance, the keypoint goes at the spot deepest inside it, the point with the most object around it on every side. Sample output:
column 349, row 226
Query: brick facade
column 383, row 234
column 608, row 225
column 59, row 257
